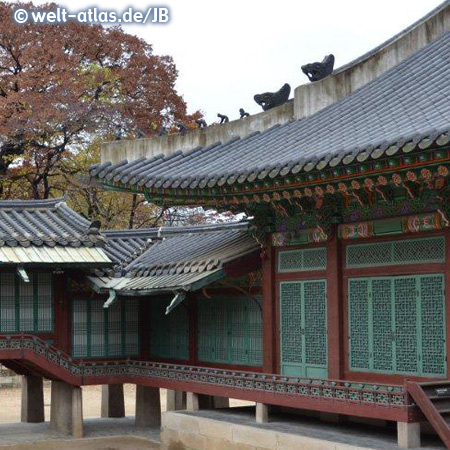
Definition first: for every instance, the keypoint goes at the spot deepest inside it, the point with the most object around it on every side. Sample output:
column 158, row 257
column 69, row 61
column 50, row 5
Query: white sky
column 228, row 50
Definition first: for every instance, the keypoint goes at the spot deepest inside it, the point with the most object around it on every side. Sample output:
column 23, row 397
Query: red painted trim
column 297, row 276
column 244, row 265
column 393, row 237
column 381, row 378
column 358, row 409
column 334, row 308
column 410, row 269
column 430, row 411
column 269, row 318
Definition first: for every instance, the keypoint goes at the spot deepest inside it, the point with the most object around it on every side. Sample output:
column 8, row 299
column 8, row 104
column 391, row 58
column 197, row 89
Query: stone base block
column 32, row 408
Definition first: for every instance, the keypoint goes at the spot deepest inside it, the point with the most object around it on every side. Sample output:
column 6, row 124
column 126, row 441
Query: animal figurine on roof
column 141, row 134
column 243, row 114
column 182, row 129
column 223, row 118
column 270, row 100
column 162, row 131
column 201, row 123
column 319, row 70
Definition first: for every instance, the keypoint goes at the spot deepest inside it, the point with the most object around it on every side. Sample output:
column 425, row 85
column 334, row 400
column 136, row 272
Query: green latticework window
column 409, row 251
column 26, row 307
column 99, row 332
column 397, row 325
column 230, row 330
column 302, row 260
column 169, row 334
column 303, row 313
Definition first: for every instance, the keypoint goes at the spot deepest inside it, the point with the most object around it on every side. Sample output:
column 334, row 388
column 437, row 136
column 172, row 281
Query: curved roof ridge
column 392, row 39
column 136, row 232
column 33, row 203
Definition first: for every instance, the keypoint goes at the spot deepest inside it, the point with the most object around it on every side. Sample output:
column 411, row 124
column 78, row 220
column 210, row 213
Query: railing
column 332, row 390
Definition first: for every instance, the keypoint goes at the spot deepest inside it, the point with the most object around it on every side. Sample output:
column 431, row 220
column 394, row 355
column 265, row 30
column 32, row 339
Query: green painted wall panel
column 169, row 334
column 397, row 325
column 303, row 331
column 99, row 332
column 26, row 307
column 230, row 330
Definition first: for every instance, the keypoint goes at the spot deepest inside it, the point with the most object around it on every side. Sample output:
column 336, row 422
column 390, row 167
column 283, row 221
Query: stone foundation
column 181, row 431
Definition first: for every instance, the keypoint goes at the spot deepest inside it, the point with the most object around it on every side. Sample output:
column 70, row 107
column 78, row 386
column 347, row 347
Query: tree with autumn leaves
column 63, row 89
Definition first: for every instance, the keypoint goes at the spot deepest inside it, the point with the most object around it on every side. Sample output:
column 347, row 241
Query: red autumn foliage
column 61, row 85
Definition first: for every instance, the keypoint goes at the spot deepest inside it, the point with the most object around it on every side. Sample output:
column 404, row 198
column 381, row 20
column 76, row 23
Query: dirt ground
column 10, row 402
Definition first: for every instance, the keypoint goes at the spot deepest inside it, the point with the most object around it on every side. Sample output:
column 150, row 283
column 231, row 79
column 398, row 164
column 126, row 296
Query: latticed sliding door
column 397, row 325
column 303, row 328
column 230, row 330
column 26, row 307
column 99, row 332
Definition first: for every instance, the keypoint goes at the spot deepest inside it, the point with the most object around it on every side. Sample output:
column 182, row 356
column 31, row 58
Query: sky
column 226, row 51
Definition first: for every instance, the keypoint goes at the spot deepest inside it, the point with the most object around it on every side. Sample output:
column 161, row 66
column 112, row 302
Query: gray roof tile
column 44, row 223
column 408, row 102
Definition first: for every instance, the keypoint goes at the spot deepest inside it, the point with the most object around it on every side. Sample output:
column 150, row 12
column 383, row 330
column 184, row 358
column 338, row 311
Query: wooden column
column 268, row 309
column 335, row 308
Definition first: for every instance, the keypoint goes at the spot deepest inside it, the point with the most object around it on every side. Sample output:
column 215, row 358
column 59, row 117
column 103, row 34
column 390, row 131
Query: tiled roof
column 406, row 108
column 44, row 223
column 193, row 252
column 180, row 258
column 123, row 246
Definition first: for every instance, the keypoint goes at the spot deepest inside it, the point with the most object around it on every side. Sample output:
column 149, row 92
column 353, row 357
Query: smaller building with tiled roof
column 48, row 232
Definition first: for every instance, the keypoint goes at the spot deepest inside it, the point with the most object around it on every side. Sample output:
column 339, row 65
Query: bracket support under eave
column 111, row 299
column 23, row 274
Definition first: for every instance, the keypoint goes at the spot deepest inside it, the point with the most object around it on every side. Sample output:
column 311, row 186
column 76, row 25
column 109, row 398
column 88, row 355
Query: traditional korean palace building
column 333, row 298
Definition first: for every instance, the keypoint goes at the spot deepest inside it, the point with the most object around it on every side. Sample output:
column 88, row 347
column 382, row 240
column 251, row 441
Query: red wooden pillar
column 62, row 305
column 268, row 309
column 335, row 308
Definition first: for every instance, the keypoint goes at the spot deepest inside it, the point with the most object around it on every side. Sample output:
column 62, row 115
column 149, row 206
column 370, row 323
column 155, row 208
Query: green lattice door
column 303, row 331
column 397, row 325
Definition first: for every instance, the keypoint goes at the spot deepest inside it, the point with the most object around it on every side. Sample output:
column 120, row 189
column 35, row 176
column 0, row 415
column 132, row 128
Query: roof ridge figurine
column 318, row 70
column 223, row 118
column 269, row 100
column 243, row 114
